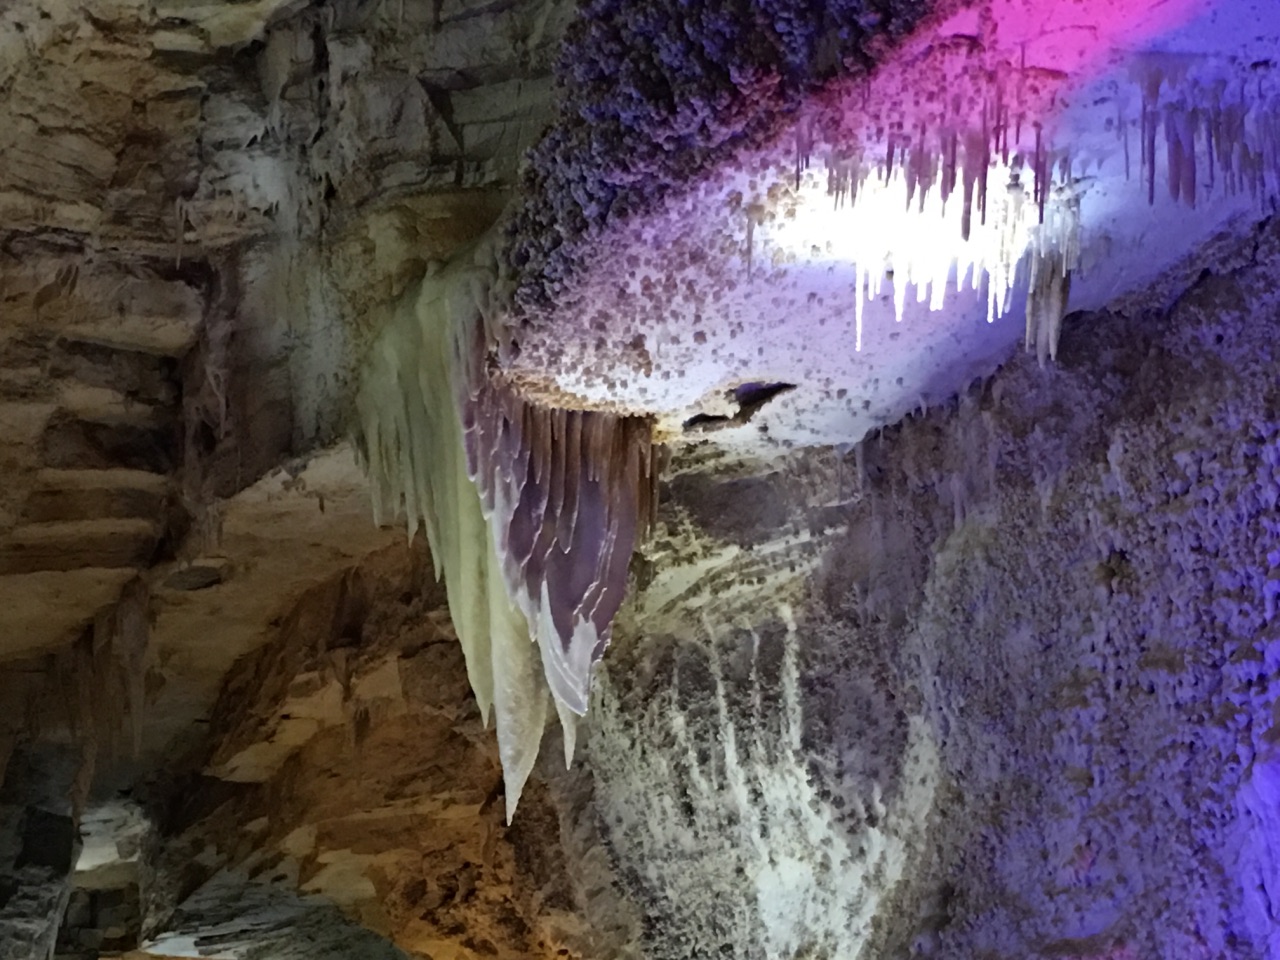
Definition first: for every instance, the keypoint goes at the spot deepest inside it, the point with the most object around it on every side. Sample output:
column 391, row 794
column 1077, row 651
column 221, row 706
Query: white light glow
column 894, row 230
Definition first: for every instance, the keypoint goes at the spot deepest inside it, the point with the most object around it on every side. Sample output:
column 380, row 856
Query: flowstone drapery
column 531, row 511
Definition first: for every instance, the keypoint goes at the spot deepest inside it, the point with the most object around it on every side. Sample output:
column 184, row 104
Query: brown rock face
column 205, row 210
column 369, row 780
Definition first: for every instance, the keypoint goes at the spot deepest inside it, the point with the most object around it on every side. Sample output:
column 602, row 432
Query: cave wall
column 1022, row 706
column 207, row 209
column 351, row 798
column 40, row 845
column 997, row 682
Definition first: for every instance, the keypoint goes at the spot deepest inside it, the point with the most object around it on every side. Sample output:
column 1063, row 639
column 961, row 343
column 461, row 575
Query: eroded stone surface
column 1044, row 634
column 356, row 771
column 207, row 208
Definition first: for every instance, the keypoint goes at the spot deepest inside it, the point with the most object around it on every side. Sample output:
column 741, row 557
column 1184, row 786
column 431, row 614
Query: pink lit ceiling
column 878, row 255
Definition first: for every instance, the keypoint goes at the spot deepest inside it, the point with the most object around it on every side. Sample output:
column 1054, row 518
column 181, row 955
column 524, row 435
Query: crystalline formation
column 531, row 512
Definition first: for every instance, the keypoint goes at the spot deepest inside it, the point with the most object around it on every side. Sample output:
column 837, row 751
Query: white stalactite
column 531, row 511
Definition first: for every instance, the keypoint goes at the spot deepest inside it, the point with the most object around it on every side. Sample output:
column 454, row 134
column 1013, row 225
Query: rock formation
column 860, row 422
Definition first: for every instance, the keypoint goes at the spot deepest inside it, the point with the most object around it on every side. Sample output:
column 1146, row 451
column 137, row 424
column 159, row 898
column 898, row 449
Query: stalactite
column 566, row 493
column 920, row 246
column 1039, row 175
column 1054, row 256
column 1047, row 293
column 988, row 135
column 1228, row 124
column 129, row 641
column 531, row 511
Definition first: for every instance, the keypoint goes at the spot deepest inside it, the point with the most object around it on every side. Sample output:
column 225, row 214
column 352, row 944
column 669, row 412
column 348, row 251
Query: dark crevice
column 750, row 397
column 706, row 421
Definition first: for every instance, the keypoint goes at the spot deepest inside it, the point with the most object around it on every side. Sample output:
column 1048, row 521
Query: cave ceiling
column 878, row 251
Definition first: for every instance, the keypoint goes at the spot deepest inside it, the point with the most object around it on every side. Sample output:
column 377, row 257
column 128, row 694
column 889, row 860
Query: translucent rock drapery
column 531, row 511
column 566, row 493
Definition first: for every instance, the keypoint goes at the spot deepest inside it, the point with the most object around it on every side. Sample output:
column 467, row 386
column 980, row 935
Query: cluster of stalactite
column 532, row 511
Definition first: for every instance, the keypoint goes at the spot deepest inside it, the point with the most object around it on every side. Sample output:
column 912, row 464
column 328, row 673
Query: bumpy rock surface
column 995, row 683
column 1024, row 707
column 350, row 767
column 656, row 93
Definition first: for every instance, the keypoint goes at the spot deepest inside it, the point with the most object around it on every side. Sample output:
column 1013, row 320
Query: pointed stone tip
column 569, row 732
